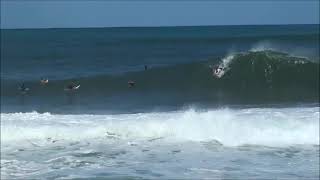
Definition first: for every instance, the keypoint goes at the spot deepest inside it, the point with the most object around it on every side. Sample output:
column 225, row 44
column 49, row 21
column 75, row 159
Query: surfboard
column 73, row 88
column 44, row 81
column 23, row 89
column 76, row 87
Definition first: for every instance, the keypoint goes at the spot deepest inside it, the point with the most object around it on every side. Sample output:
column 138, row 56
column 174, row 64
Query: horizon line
column 164, row 26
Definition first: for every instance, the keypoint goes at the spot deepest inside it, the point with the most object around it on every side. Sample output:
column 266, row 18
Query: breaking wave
column 230, row 127
column 270, row 69
column 263, row 69
column 247, row 75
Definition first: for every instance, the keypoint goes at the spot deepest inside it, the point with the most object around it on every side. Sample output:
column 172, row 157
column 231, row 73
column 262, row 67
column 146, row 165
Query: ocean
column 259, row 119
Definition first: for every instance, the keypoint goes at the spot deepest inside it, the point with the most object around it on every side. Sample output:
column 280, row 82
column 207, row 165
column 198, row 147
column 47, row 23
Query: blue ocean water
column 258, row 118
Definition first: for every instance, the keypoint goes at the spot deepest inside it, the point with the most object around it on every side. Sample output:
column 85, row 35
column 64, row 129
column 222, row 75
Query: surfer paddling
column 72, row 86
column 131, row 84
column 23, row 89
column 44, row 81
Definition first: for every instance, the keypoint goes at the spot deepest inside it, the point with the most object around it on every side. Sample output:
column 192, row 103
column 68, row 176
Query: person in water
column 216, row 70
column 44, row 81
column 145, row 67
column 23, row 89
column 72, row 86
column 131, row 83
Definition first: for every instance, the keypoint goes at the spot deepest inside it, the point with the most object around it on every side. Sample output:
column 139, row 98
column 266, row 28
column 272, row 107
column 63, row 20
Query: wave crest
column 256, row 76
column 269, row 69
column 231, row 127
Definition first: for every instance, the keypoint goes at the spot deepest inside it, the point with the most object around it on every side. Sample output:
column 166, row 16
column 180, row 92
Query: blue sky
column 81, row 13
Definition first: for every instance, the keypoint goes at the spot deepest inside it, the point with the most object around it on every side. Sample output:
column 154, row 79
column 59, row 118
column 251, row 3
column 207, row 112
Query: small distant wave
column 230, row 127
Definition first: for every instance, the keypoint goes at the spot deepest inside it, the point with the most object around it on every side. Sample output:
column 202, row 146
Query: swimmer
column 145, row 67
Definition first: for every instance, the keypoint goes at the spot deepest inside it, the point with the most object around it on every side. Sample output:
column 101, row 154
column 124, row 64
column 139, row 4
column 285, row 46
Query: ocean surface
column 258, row 120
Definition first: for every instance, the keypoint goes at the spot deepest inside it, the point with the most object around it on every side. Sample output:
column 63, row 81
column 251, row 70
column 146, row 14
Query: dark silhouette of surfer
column 131, row 83
column 145, row 67
column 72, row 86
column 23, row 89
column 44, row 81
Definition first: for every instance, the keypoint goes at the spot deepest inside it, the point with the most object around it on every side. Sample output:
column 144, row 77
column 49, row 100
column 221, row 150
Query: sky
column 98, row 13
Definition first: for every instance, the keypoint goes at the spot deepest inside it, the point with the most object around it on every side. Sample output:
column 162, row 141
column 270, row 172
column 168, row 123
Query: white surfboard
column 76, row 87
column 73, row 88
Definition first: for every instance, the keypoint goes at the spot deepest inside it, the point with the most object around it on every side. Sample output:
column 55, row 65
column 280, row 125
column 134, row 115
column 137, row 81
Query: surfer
column 131, row 83
column 145, row 67
column 217, row 71
column 72, row 86
column 44, row 81
column 23, row 89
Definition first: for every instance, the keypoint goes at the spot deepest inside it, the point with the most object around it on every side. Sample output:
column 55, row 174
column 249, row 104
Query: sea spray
column 230, row 127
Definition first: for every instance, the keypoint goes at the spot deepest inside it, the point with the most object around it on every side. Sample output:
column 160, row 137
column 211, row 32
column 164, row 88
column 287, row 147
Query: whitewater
column 231, row 127
column 38, row 145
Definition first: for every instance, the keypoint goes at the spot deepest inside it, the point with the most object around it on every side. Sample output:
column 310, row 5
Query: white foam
column 224, row 65
column 227, row 60
column 263, row 46
column 276, row 127
column 295, row 51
